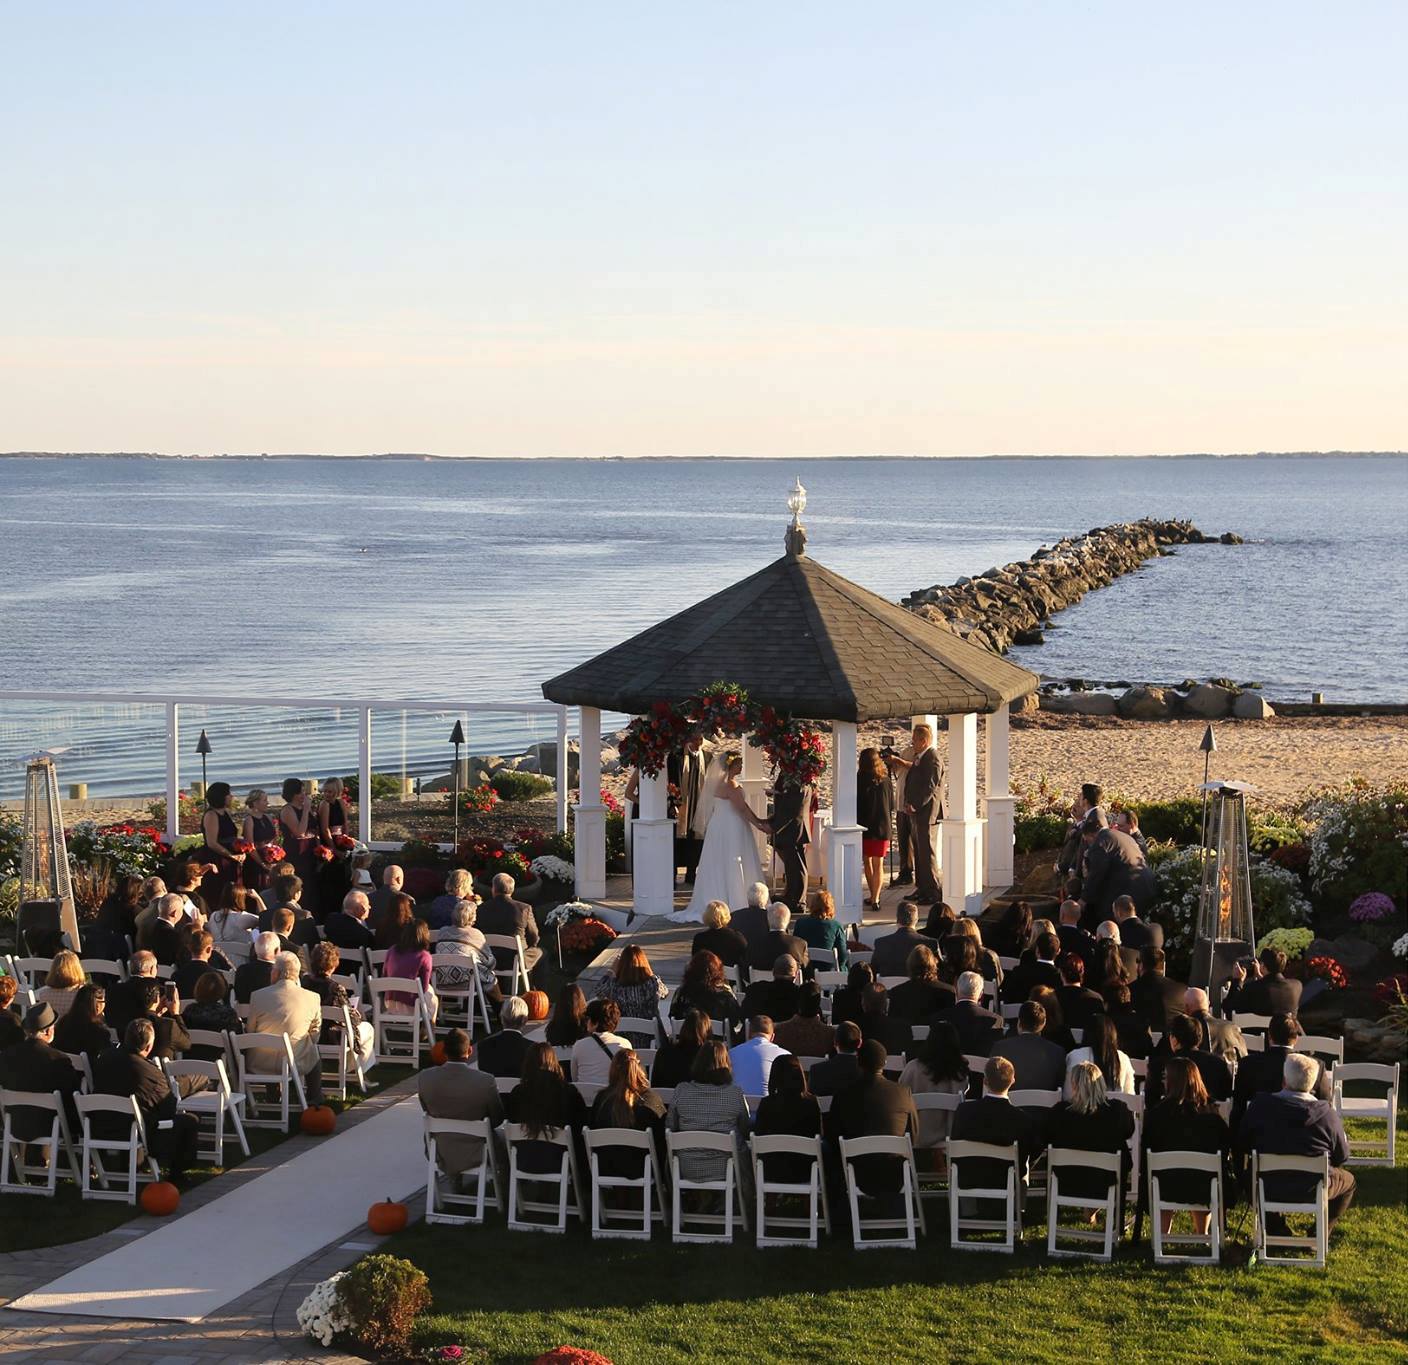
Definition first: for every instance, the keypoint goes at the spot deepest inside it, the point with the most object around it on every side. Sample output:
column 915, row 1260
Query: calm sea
column 475, row 580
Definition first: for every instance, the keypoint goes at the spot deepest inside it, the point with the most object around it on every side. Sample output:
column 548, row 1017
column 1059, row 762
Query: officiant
column 684, row 771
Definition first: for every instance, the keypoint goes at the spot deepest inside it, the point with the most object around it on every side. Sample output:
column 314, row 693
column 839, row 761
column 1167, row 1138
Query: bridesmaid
column 295, row 817
column 259, row 830
column 333, row 877
column 218, row 826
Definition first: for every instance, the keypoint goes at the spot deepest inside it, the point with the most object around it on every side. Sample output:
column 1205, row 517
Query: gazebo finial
column 796, row 537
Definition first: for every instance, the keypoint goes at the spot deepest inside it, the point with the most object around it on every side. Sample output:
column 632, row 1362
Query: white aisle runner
column 187, row 1268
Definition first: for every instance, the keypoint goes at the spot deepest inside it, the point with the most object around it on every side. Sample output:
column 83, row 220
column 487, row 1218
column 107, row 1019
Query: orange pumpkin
column 537, row 1002
column 437, row 1055
column 386, row 1217
column 160, row 1198
column 318, row 1121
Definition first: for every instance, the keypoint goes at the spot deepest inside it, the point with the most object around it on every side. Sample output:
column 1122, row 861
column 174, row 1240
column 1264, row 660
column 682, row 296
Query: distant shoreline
column 413, row 458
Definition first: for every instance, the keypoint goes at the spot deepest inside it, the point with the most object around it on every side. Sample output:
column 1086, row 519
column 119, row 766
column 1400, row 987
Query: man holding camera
column 919, row 809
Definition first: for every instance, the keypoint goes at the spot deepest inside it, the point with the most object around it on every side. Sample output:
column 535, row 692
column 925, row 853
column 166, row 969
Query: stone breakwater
column 1008, row 606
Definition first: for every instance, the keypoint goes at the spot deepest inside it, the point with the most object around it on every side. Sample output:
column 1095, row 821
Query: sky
column 639, row 229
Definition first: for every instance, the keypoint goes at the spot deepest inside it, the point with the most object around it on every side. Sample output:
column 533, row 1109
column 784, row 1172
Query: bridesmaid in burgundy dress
column 218, row 826
column 258, row 830
column 334, row 877
column 297, row 830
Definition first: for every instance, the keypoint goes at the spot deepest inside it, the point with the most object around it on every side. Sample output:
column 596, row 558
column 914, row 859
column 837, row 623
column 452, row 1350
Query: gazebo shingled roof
column 807, row 641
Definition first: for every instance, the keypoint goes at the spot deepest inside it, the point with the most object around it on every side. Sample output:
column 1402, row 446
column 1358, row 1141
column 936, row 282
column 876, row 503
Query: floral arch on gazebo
column 805, row 643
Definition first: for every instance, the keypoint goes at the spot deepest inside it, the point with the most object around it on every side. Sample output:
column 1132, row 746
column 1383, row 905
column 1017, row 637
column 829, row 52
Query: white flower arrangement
column 322, row 1315
column 1400, row 949
column 553, row 868
column 567, row 912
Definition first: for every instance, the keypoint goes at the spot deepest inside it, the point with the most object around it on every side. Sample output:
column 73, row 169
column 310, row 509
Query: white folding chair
column 443, row 1193
column 757, row 974
column 1186, row 1163
column 1105, row 1209
column 1034, row 1099
column 565, row 1180
column 823, row 959
column 1135, row 1105
column 913, row 1219
column 890, row 982
column 933, row 1182
column 1008, row 964
column 1258, row 1022
column 1010, row 1224
column 140, row 1164
column 1140, row 1067
column 813, row 1190
column 1010, row 1012
column 102, row 966
column 631, row 1224
column 695, row 1226
column 215, row 1103
column 1275, row 1248
column 1256, row 1042
column 30, row 971
column 634, row 1027
column 84, row 1067
column 255, row 1076
column 352, row 982
column 513, row 978
column 215, row 1040
column 1370, row 1151
column 18, row 1174
column 340, row 1058
column 920, row 1032
column 868, row 933
column 1326, row 1049
column 829, row 982
column 460, row 1005
column 391, row 1018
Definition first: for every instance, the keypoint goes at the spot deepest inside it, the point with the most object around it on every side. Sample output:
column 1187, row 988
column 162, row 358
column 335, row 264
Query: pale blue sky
column 744, row 229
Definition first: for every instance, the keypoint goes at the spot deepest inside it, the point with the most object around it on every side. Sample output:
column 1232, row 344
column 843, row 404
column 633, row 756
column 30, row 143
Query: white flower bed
column 321, row 1315
column 567, row 911
column 1400, row 949
column 553, row 868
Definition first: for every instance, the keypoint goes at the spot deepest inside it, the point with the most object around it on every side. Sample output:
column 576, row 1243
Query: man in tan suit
column 285, row 1007
column 458, row 1091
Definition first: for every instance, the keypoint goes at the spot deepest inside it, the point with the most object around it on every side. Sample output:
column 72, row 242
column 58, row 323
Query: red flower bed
column 571, row 1355
column 586, row 936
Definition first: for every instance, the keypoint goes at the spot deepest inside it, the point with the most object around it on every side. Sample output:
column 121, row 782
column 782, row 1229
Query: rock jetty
column 1010, row 605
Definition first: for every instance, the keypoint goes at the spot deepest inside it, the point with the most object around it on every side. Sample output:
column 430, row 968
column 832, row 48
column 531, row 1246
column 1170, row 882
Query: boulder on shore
column 1252, row 706
column 1145, row 703
column 1079, row 704
column 1209, row 701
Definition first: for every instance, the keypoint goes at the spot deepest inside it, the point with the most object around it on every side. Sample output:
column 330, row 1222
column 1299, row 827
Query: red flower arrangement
column 343, row 841
column 323, row 852
column 479, row 799
column 570, row 1355
column 586, row 936
column 795, row 750
column 242, row 846
column 1328, row 969
column 272, row 853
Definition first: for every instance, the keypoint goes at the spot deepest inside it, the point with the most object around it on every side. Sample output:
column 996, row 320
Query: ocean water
column 476, row 580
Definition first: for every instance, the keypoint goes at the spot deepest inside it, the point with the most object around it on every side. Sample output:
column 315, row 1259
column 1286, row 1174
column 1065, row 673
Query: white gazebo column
column 961, row 829
column 843, row 871
column 589, row 840
column 999, row 806
column 754, row 781
column 653, row 871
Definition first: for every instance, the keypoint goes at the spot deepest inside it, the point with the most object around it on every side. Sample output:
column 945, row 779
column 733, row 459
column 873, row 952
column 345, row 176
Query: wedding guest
column 1101, row 1047
column 788, row 1109
column 1114, row 866
column 1113, row 962
column 1037, row 1062
column 719, row 936
column 1074, row 939
column 978, row 1029
column 1153, row 994
column 923, row 995
column 393, row 880
column 221, row 833
column 709, row 1102
column 122, row 1003
column 818, row 928
column 503, row 1053
column 752, row 921
column 874, row 1107
column 1038, row 970
column 895, row 1035
column 83, row 1028
column 1078, row 1001
column 1270, row 991
column 1134, row 932
column 458, row 887
column 285, row 889
column 846, row 1002
column 938, row 1068
column 211, row 1012
column 258, row 972
column 892, row 951
column 118, row 914
column 1186, row 1039
column 674, row 1061
column 875, row 812
column 833, row 1074
column 348, row 927
column 502, row 915
column 157, row 1002
column 591, row 1056
column 704, row 988
column 410, row 959
column 752, row 1059
column 202, row 958
column 1262, row 1073
column 806, row 1033
column 323, row 965
column 130, row 1070
column 1056, row 1029
column 400, row 911
column 938, row 925
column 776, row 998
column 1131, row 1027
column 994, row 1119
column 634, row 987
column 1090, row 1121
column 1127, row 822
column 1220, row 1036
column 284, row 1006
column 627, row 1101
column 988, row 964
column 462, row 940
column 161, row 937
column 62, row 984
column 568, row 1023
column 11, row 1031
column 546, row 1105
column 458, row 1091
column 188, row 880
column 259, row 829
column 1011, row 934
column 765, row 949
column 1185, row 1121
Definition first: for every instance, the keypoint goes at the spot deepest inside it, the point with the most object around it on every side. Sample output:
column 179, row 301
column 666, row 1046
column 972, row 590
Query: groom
column 685, row 774
column 790, row 810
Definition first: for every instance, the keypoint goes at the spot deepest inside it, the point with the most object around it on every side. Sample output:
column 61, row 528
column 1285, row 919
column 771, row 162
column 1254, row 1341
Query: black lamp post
column 204, row 750
column 457, row 739
column 1208, row 746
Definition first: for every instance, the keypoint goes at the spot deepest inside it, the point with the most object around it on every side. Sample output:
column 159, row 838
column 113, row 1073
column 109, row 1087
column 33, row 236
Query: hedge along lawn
column 510, row 1296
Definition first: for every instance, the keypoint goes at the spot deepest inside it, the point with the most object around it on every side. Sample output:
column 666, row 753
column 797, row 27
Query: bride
column 728, row 862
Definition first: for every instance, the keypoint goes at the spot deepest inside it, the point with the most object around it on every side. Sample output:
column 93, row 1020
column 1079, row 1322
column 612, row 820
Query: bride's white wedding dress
column 728, row 862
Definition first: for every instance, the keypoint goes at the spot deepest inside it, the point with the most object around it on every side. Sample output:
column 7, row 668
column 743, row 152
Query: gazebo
column 808, row 643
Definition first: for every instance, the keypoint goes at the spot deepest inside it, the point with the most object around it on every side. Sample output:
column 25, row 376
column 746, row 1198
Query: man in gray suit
column 457, row 1091
column 1114, row 867
column 1039, row 1063
column 922, row 779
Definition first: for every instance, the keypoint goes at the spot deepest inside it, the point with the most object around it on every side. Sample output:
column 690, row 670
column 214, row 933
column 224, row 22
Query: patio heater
column 1225, row 930
column 46, row 891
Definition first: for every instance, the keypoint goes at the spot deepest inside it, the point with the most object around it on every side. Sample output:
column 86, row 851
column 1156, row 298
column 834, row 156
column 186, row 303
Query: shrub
column 385, row 786
column 419, row 853
column 126, row 849
column 1041, row 816
column 1292, row 942
column 615, row 837
column 1371, row 907
column 1269, row 830
column 1179, row 820
column 11, row 844
column 189, row 811
column 517, row 786
column 478, row 800
column 382, row 1295
column 1359, row 844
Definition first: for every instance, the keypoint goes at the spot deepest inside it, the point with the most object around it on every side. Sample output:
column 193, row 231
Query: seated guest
column 231, row 924
column 846, row 1002
column 162, row 937
column 1012, row 933
column 704, row 988
column 1078, row 1001
column 765, row 949
column 83, row 1028
column 122, row 1003
column 986, row 964
column 1089, row 1121
column 719, row 936
column 978, row 1029
column 1131, row 1028
column 568, row 1022
column 1102, row 1048
column 284, row 1006
column 891, row 954
column 11, row 1030
column 546, row 1105
column 285, row 889
column 1055, row 1028
column 896, row 1036
column 1263, row 1073
column 393, row 881
column 411, row 961
column 874, row 1106
column 1040, row 927
column 157, row 1002
column 1269, row 991
column 752, row 921
column 1185, row 1038
column 259, row 971
column 833, row 1074
column 1037, row 1062
column 455, row 1090
column 1153, row 994
column 789, row 1109
column 806, row 1033
column 751, row 1061
column 939, row 923
column 203, row 958
column 458, row 887
column 776, row 998
column 1185, row 1121
column 35, row 1064
column 348, row 927
column 118, row 915
column 591, row 1056
column 186, row 880
column 818, row 928
column 633, row 985
column 292, row 938
column 627, row 1101
column 1134, row 932
column 211, row 1012
column 462, row 943
column 674, row 1061
column 994, row 1119
column 1292, row 1122
column 709, row 1102
column 1038, row 971
column 1220, row 1036
column 502, row 915
column 129, row 1071
column 938, row 1068
column 1074, row 939
column 61, row 984
column 324, row 960
column 1112, row 961
column 503, row 1053
column 923, row 995
column 388, row 927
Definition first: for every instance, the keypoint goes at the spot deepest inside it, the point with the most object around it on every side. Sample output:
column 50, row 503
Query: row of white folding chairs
column 31, row 971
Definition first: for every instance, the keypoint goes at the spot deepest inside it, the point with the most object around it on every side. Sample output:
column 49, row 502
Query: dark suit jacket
column 35, row 1065
column 1263, row 1073
column 1135, row 933
column 727, row 944
column 1132, row 1030
column 250, row 977
column 891, row 954
column 348, row 935
column 163, row 940
column 1267, row 995
column 1287, row 1125
column 119, row 1072
column 191, row 970
column 896, row 1034
column 1039, row 1063
column 1216, row 1074
column 1025, row 977
column 875, row 1107
column 978, row 1029
column 1079, row 1005
column 1114, row 867
column 922, row 781
column 1076, row 940
column 998, row 1121
column 121, row 1007
column 764, row 950
column 1108, row 1129
column 1223, row 1037
column 500, row 915
column 919, row 1001
column 833, row 1074
column 173, row 1039
column 751, row 922
column 776, row 999
column 1158, row 999
column 502, row 1054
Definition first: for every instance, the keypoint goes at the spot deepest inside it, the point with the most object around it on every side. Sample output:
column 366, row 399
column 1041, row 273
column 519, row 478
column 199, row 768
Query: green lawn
column 507, row 1297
